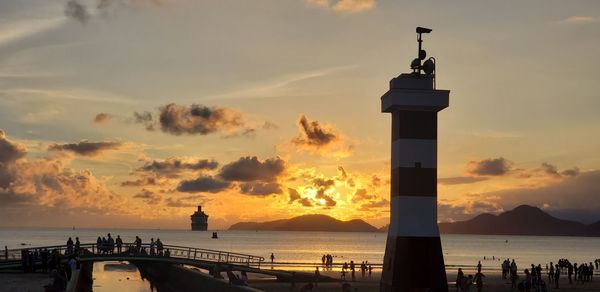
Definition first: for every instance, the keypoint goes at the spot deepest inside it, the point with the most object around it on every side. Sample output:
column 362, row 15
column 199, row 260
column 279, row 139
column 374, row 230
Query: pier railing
column 130, row 250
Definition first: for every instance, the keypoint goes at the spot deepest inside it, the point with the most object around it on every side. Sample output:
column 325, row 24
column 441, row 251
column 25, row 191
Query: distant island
column 307, row 223
column 522, row 220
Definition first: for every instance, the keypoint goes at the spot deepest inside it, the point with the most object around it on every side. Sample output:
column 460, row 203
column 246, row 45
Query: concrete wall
column 182, row 279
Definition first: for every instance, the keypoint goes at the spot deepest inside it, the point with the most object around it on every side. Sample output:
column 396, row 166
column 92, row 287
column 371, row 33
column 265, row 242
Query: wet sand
column 492, row 283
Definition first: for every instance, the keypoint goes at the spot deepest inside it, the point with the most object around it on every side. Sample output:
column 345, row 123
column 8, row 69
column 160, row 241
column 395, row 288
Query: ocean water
column 308, row 247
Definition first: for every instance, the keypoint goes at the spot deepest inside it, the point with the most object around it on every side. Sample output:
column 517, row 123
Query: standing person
column 98, row 245
column 272, row 258
column 317, row 276
column 479, row 280
column 77, row 245
column 119, row 243
column 69, row 246
column 138, row 245
column 353, row 269
column 459, row 278
column 152, row 246
column 527, row 280
column 556, row 275
column 551, row 274
column 323, row 260
column 570, row 273
column 370, row 270
column 479, row 265
column 159, row 246
column 111, row 244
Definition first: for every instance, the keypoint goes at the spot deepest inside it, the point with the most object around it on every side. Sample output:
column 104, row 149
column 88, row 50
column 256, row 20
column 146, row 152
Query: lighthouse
column 413, row 258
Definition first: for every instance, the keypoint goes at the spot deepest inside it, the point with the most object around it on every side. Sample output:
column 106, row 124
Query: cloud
column 102, row 118
column 361, row 195
column 466, row 210
column 294, row 195
column 578, row 19
column 77, row 11
column 205, row 184
column 149, row 197
column 312, row 133
column 172, row 166
column 353, row 5
column 251, row 169
column 345, row 5
column 197, row 119
column 194, row 119
column 553, row 171
column 86, row 148
column 260, row 189
column 320, row 139
column 460, row 180
column 144, row 181
column 489, row 167
column 10, row 151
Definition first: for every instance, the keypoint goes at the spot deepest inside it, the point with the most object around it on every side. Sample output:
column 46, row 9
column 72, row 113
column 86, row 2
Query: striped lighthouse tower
column 413, row 255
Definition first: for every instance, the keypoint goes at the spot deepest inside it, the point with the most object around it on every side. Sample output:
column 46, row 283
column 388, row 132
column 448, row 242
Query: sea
column 309, row 247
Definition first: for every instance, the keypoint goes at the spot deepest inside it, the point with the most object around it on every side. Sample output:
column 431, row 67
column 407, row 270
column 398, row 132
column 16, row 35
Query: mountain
column 522, row 220
column 307, row 223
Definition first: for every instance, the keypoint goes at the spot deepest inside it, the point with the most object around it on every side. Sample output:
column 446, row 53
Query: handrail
column 175, row 251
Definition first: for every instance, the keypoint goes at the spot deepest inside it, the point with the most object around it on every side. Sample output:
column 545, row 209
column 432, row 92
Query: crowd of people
column 533, row 278
column 364, row 268
column 108, row 245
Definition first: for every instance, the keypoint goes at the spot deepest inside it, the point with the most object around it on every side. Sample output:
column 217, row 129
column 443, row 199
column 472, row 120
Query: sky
column 130, row 113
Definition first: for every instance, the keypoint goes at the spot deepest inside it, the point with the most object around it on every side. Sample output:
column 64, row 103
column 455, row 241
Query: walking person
column 479, row 280
column 459, row 278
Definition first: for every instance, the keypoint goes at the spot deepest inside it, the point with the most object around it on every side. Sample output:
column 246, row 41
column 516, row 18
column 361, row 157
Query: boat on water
column 199, row 220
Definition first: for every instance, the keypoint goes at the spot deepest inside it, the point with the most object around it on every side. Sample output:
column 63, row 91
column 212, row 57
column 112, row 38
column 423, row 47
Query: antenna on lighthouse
column 428, row 67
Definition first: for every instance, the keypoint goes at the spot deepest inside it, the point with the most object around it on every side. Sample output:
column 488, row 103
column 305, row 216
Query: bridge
column 92, row 252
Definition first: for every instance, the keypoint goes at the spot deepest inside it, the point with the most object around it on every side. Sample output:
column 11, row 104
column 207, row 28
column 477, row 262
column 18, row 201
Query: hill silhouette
column 307, row 223
column 522, row 220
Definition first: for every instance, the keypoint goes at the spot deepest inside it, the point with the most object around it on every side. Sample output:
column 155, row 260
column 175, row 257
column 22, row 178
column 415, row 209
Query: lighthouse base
column 413, row 264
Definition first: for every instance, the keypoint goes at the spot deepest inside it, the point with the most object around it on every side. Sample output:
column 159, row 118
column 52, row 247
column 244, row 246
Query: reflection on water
column 119, row 276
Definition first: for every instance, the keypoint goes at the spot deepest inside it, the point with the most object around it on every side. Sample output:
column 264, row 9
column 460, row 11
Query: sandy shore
column 492, row 283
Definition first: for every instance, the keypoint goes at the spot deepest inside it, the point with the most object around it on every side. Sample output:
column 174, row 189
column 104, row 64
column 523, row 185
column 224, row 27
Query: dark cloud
column 306, row 202
column 260, row 189
column 251, row 169
column 459, row 180
column 148, row 196
column 10, row 151
column 144, row 181
column 553, row 171
column 362, row 195
column 86, row 148
column 146, row 119
column 173, row 165
column 322, row 183
column 312, row 133
column 489, row 167
column 197, row 119
column 203, row 184
column 294, row 195
column 102, row 118
column 77, row 11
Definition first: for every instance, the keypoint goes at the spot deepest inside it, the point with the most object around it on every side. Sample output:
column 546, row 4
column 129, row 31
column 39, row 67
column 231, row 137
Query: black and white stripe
column 413, row 258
